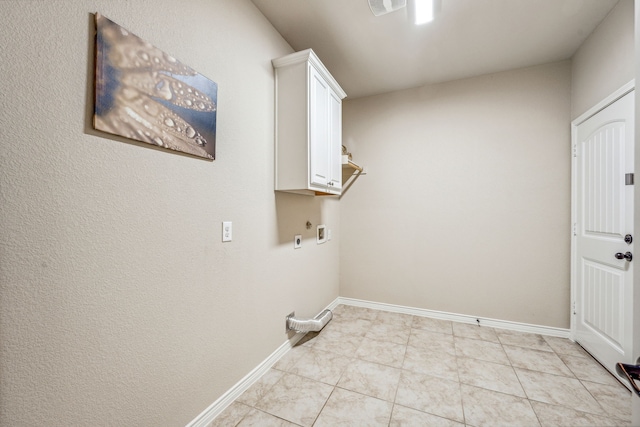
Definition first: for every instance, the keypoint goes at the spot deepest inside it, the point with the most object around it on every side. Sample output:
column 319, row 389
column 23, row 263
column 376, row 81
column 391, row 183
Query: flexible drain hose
column 309, row 325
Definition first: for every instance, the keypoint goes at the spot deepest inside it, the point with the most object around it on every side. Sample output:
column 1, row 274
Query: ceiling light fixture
column 382, row 7
column 425, row 10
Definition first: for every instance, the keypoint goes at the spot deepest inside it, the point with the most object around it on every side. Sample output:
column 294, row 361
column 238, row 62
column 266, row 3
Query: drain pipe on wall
column 308, row 325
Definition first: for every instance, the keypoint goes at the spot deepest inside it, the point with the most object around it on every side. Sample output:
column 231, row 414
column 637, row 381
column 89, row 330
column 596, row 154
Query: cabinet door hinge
column 575, row 228
column 575, row 150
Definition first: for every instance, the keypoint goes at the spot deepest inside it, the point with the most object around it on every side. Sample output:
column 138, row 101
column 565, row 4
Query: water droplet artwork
column 145, row 94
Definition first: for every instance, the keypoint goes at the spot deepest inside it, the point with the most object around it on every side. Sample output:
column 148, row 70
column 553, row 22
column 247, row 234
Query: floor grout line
column 454, row 347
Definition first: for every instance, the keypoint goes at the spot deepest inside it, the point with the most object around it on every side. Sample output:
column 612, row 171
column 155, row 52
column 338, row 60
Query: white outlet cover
column 297, row 241
column 227, row 231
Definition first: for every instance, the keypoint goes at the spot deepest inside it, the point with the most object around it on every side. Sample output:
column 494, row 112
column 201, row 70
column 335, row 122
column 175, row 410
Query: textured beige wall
column 119, row 304
column 605, row 62
column 466, row 204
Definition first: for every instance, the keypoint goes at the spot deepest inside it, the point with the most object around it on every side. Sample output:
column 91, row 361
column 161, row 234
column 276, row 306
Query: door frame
column 624, row 90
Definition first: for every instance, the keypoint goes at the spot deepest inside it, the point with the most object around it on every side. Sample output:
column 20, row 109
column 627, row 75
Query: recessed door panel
column 602, row 157
column 603, row 302
column 318, row 130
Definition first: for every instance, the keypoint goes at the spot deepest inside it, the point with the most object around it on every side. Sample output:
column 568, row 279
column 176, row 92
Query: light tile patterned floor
column 376, row 368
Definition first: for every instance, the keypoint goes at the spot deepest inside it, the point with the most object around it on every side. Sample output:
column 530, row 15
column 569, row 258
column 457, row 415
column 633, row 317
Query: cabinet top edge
column 308, row 55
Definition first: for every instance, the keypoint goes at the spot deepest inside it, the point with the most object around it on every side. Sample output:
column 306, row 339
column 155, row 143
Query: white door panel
column 603, row 300
column 319, row 130
column 603, row 308
column 335, row 141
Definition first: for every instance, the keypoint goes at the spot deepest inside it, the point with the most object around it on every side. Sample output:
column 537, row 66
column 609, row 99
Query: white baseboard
column 216, row 408
column 462, row 318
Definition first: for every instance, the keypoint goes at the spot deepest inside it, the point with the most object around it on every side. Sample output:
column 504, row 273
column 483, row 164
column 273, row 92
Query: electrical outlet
column 227, row 231
column 297, row 241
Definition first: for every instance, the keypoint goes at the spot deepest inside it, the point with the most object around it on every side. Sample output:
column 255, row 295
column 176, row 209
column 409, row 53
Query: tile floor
column 376, row 368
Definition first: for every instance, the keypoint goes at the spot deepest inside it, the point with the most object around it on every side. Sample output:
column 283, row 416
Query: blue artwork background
column 205, row 123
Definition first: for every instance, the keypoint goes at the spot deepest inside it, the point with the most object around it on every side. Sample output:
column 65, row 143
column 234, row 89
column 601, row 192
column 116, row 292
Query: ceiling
column 370, row 55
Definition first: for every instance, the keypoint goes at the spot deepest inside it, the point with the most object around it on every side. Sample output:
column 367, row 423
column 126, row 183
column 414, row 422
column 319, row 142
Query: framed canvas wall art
column 142, row 93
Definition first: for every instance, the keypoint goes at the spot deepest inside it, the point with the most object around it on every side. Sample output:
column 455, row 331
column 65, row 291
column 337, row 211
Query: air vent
column 381, row 7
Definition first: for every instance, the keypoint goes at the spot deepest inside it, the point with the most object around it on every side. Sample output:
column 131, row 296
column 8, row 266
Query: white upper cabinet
column 308, row 126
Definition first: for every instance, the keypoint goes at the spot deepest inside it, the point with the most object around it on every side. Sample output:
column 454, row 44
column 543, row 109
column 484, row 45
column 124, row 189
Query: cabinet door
column 335, row 142
column 319, row 168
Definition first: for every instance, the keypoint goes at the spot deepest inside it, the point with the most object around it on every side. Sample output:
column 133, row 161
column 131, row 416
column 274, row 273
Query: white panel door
column 318, row 130
column 335, row 141
column 603, row 305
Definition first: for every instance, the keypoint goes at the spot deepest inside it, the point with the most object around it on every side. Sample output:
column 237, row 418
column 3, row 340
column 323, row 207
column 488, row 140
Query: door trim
column 624, row 90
